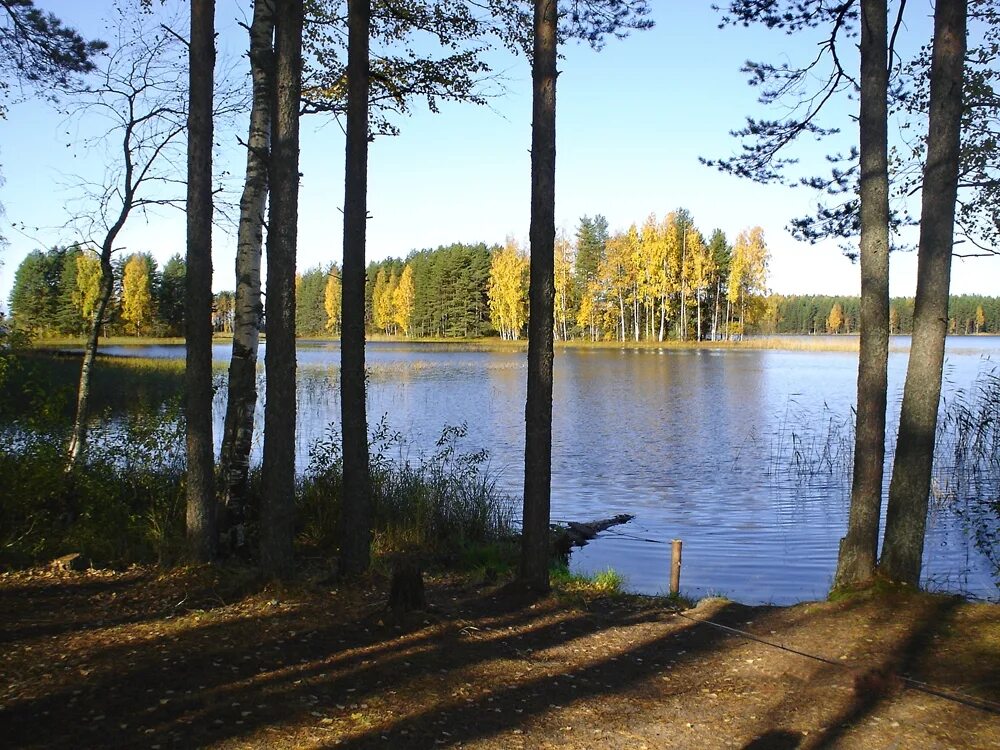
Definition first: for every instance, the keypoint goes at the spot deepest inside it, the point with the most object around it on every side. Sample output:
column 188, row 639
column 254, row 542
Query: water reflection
column 701, row 445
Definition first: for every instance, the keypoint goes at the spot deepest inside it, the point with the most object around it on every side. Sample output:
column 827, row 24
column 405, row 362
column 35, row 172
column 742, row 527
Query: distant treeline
column 56, row 291
column 440, row 293
column 813, row 314
column 661, row 279
column 607, row 288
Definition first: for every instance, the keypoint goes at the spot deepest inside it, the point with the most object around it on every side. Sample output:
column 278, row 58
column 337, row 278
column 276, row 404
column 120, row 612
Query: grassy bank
column 126, row 503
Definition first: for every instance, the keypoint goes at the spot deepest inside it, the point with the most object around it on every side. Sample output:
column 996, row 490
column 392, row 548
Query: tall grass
column 966, row 472
column 436, row 505
column 967, row 462
column 125, row 503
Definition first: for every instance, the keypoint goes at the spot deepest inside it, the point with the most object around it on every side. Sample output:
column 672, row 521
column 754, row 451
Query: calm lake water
column 742, row 454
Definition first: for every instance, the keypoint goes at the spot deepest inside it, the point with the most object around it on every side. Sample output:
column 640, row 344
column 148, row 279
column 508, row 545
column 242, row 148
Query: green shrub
column 123, row 504
column 608, row 581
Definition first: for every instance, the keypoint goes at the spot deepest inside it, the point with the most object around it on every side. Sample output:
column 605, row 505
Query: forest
column 179, row 565
column 477, row 291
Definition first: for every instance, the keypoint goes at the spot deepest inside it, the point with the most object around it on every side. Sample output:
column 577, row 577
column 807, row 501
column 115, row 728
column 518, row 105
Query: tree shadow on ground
column 172, row 680
column 322, row 667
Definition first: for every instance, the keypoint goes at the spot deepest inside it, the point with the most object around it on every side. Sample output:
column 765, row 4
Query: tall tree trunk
column 697, row 298
column 715, row 315
column 859, row 548
column 911, row 472
column 277, row 512
column 635, row 315
column 682, row 334
column 663, row 318
column 200, row 480
column 237, row 436
column 534, row 571
column 743, row 311
column 355, row 516
column 621, row 310
column 729, row 318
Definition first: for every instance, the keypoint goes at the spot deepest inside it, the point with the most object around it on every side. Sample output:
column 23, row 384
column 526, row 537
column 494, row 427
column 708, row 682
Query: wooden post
column 675, row 567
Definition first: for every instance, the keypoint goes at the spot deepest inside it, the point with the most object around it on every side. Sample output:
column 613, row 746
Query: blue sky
column 632, row 122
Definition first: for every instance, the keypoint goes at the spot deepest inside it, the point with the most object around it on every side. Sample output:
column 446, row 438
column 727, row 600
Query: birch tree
column 508, row 291
column 402, row 301
column 241, row 395
column 137, row 294
column 139, row 93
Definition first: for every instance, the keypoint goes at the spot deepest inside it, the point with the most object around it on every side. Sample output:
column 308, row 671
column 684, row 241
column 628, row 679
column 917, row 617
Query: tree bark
column 911, row 474
column 200, row 480
column 355, row 517
column 534, row 569
column 859, row 548
column 278, row 502
column 241, row 403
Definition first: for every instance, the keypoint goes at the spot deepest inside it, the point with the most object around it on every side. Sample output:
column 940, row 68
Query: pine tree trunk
column 859, row 548
column 534, row 570
column 277, row 512
column 911, row 472
column 355, row 517
column 200, row 477
column 237, row 436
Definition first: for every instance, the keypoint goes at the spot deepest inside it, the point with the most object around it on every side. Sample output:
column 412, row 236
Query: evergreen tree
column 332, row 299
column 170, row 300
column 310, row 302
column 35, row 294
column 591, row 241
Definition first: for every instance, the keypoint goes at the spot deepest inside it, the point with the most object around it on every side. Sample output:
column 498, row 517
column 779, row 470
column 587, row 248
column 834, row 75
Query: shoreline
column 779, row 342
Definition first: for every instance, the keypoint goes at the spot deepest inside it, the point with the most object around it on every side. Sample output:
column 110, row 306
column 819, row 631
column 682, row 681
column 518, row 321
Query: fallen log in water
column 565, row 538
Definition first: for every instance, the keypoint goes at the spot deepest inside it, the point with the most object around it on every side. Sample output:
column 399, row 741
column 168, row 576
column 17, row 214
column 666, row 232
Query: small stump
column 406, row 591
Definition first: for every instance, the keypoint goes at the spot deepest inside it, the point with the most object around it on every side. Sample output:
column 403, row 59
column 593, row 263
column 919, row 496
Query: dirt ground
column 206, row 658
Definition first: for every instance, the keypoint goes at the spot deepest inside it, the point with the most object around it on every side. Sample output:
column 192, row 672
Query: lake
column 742, row 454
